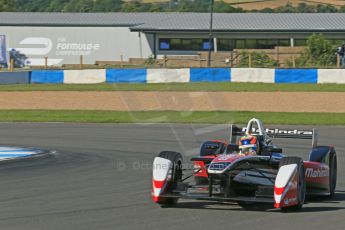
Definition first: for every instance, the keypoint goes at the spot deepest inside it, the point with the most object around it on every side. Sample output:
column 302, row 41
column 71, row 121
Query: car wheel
column 176, row 159
column 332, row 174
column 301, row 186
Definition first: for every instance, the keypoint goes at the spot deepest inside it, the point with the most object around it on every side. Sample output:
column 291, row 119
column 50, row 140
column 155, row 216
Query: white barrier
column 167, row 75
column 90, row 76
column 252, row 75
column 331, row 76
column 87, row 76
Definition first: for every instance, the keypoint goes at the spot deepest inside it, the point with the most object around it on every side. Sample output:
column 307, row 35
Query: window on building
column 284, row 42
column 224, row 44
column 184, row 44
column 300, row 42
column 267, row 43
column 196, row 44
column 175, row 44
column 164, row 44
column 231, row 44
column 261, row 44
column 240, row 44
column 251, row 44
column 206, row 44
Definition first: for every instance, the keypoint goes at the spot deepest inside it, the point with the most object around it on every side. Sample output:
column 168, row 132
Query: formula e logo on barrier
column 37, row 48
column 310, row 172
column 67, row 48
column 45, row 43
column 46, row 46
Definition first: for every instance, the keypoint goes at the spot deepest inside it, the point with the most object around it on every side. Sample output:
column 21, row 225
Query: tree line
column 140, row 6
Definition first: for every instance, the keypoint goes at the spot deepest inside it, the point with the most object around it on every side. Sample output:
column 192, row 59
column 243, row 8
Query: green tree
column 56, row 5
column 140, row 6
column 132, row 6
column 156, row 8
column 288, row 8
column 326, row 9
column 7, row 5
column 266, row 10
column 32, row 6
column 319, row 53
column 341, row 9
column 304, row 8
column 223, row 7
column 79, row 6
column 107, row 5
column 259, row 59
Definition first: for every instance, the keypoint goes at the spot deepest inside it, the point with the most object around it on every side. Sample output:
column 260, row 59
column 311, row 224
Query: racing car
column 222, row 174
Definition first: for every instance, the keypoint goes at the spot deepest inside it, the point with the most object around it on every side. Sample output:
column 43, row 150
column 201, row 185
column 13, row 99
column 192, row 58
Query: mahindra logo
column 310, row 172
column 281, row 131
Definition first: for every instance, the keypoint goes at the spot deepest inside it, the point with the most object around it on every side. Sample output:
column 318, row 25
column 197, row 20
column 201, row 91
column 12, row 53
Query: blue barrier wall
column 311, row 76
column 296, row 76
column 210, row 74
column 15, row 77
column 126, row 75
column 47, row 76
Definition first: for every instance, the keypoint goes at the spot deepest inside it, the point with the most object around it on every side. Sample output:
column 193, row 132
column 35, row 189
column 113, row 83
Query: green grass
column 206, row 86
column 220, row 117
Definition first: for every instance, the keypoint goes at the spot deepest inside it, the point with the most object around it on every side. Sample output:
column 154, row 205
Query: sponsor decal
column 3, row 57
column 311, row 173
column 281, row 131
column 225, row 157
column 290, row 200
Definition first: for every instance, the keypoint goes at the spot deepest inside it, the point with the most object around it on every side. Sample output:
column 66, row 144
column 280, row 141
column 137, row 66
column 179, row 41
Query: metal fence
column 234, row 59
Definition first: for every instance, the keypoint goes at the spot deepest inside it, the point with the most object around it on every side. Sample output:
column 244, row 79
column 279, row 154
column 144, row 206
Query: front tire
column 177, row 160
column 301, row 184
column 332, row 174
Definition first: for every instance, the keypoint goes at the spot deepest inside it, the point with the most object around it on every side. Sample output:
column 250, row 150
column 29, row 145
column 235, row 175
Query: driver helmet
column 248, row 144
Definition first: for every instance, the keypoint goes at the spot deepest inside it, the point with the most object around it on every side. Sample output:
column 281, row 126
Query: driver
column 248, row 144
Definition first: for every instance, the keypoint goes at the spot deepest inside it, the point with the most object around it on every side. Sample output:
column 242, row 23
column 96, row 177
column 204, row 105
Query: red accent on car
column 158, row 184
column 200, row 165
column 155, row 198
column 253, row 140
column 290, row 198
column 279, row 191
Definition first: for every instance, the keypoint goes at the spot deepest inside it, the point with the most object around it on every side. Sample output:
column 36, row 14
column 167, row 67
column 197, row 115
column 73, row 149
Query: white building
column 63, row 37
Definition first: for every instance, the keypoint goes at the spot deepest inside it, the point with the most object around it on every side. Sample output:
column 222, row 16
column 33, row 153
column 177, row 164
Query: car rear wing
column 236, row 131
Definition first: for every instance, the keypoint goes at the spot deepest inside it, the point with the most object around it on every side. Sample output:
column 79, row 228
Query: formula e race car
column 223, row 174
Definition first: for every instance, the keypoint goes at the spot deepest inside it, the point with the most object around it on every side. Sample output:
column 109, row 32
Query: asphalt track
column 100, row 179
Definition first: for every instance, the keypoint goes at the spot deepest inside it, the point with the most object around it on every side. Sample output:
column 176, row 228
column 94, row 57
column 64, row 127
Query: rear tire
column 301, row 187
column 176, row 159
column 332, row 174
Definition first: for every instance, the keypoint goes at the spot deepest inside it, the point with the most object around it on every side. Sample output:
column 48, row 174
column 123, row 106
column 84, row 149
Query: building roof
column 248, row 22
column 76, row 19
column 184, row 21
